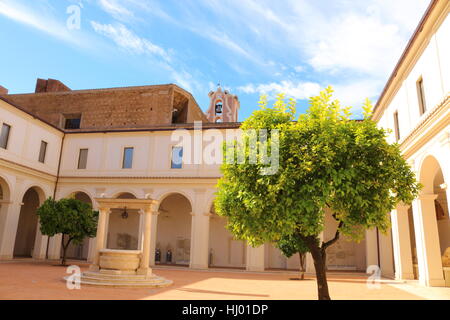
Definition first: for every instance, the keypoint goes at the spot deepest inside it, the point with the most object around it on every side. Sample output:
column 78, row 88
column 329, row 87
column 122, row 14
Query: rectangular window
column 127, row 158
column 82, row 159
column 4, row 137
column 396, row 126
column 421, row 96
column 72, row 121
column 177, row 157
column 42, row 151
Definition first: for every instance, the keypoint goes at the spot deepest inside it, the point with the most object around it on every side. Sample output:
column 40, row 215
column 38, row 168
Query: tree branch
column 325, row 245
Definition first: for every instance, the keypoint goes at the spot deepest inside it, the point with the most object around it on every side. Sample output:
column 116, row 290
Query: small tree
column 326, row 161
column 290, row 245
column 72, row 218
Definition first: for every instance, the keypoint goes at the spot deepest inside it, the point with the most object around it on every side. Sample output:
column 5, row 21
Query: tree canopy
column 327, row 160
column 69, row 217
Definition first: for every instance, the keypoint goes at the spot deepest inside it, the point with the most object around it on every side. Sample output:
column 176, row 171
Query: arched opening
column 441, row 207
column 218, row 108
column 124, row 226
column 432, row 179
column 28, row 224
column 79, row 251
column 224, row 250
column 173, row 238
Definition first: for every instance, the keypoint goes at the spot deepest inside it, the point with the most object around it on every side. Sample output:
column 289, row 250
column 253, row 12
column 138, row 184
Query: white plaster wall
column 225, row 251
column 25, row 139
column 434, row 67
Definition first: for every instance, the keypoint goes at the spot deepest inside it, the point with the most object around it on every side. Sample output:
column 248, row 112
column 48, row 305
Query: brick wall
column 131, row 107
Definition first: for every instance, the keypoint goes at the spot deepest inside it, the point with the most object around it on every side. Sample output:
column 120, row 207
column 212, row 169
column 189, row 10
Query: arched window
column 219, row 107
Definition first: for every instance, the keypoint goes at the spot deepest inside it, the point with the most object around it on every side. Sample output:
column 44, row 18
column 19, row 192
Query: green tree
column 72, row 218
column 326, row 161
column 290, row 245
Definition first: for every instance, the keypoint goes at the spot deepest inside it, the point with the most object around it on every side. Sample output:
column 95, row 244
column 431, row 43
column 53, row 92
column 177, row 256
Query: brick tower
column 223, row 106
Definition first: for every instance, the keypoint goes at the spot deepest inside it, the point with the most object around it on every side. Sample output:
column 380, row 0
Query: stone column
column 200, row 241
column 54, row 247
column 144, row 267
column 401, row 243
column 40, row 244
column 10, row 212
column 386, row 255
column 10, row 231
column 153, row 236
column 427, row 242
column 255, row 258
column 371, row 248
column 91, row 250
column 101, row 237
column 141, row 231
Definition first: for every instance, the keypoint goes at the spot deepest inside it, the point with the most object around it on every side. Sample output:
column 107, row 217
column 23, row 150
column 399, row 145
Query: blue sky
column 251, row 47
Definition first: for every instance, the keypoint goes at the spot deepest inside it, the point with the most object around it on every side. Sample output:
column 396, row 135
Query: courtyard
column 31, row 280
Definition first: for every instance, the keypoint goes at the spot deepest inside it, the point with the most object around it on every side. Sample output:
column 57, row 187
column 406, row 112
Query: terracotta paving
column 43, row 280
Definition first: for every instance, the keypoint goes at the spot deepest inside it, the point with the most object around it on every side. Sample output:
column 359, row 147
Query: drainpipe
column 378, row 248
column 56, row 182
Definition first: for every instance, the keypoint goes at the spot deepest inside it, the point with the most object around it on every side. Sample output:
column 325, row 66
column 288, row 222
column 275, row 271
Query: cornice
column 432, row 123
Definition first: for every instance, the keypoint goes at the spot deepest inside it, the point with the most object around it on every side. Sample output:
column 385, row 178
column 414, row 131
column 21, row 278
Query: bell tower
column 223, row 106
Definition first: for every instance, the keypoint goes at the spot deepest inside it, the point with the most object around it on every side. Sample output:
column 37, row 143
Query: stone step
column 129, row 280
column 112, row 276
column 165, row 283
column 121, row 280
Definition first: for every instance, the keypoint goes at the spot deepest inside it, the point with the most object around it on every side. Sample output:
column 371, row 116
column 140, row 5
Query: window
column 421, row 96
column 72, row 121
column 177, row 157
column 4, row 137
column 127, row 158
column 219, row 107
column 82, row 159
column 396, row 126
column 42, row 151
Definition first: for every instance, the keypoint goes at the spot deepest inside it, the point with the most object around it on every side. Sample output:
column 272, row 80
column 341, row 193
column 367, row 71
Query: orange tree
column 326, row 161
column 70, row 217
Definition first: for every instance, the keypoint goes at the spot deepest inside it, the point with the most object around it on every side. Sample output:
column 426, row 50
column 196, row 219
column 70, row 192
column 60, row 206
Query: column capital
column 428, row 196
column 106, row 210
column 401, row 206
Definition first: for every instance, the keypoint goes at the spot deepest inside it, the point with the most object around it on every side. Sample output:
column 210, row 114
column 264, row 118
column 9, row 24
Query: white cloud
column 126, row 39
column 296, row 90
column 114, row 8
column 41, row 20
column 354, row 93
column 356, row 42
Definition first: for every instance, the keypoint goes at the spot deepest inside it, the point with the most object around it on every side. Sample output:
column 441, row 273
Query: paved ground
column 42, row 280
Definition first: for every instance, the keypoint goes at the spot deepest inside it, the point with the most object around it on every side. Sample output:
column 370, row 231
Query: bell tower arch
column 223, row 106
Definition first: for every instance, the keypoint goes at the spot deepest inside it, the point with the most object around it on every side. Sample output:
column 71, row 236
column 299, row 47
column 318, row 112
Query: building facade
column 126, row 143
column 415, row 105
column 87, row 144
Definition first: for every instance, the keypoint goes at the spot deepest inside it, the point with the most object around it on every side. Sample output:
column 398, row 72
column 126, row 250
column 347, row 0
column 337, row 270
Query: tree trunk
column 64, row 247
column 319, row 258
